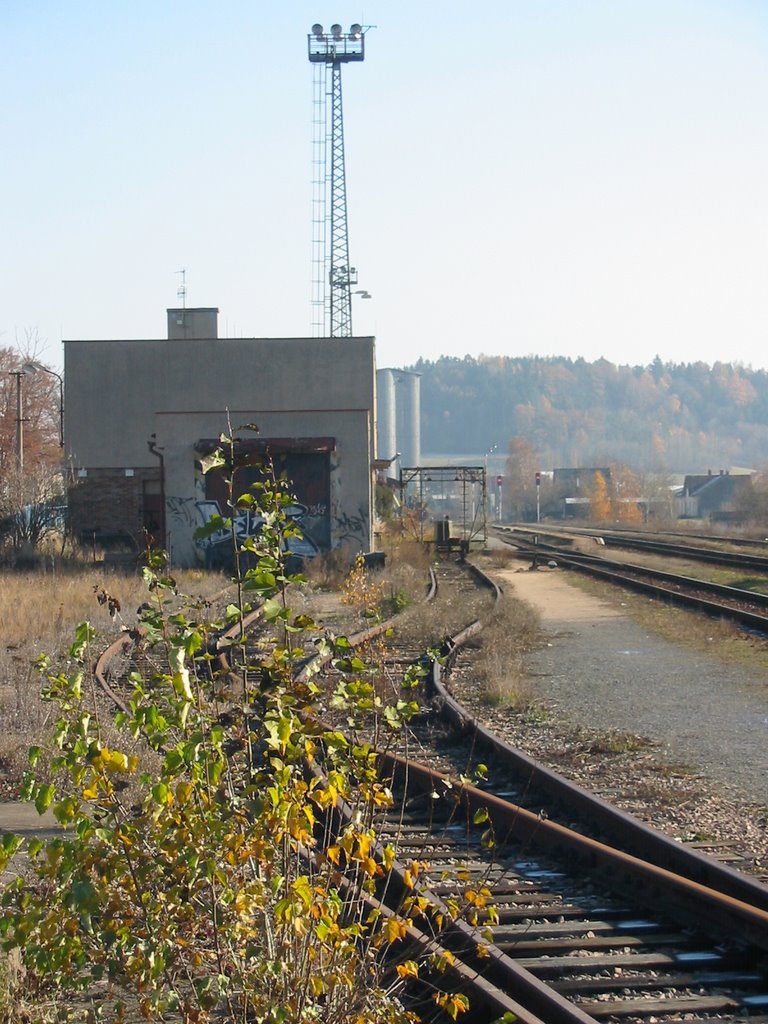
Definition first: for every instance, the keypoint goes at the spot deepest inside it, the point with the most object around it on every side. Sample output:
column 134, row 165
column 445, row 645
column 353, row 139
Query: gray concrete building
column 141, row 415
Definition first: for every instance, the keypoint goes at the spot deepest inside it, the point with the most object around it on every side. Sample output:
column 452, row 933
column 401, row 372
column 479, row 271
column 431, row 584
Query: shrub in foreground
column 199, row 890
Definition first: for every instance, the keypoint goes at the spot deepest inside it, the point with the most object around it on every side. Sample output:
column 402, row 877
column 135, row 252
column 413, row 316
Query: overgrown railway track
column 596, row 916
column 630, row 934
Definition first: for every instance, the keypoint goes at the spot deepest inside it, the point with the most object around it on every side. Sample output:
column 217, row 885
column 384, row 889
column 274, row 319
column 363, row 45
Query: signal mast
column 332, row 276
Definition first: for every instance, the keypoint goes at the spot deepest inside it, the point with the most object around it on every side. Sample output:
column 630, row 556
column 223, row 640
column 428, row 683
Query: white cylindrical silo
column 386, row 415
column 408, row 403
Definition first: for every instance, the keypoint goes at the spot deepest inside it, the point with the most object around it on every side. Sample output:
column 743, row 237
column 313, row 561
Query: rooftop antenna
column 181, row 291
column 332, row 276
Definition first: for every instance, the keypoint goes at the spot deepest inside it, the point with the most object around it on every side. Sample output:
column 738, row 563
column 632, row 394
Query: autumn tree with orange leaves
column 599, row 500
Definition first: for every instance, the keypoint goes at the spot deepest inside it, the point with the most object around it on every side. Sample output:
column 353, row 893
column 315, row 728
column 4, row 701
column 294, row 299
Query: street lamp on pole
column 34, row 367
column 18, row 374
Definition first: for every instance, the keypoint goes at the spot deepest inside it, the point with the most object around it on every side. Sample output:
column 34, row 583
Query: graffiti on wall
column 216, row 550
column 181, row 511
column 353, row 527
column 316, row 511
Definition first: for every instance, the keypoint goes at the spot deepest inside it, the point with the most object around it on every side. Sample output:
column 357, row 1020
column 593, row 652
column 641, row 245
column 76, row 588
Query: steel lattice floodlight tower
column 332, row 277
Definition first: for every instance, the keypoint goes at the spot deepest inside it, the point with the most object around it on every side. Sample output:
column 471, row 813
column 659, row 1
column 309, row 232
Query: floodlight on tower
column 332, row 277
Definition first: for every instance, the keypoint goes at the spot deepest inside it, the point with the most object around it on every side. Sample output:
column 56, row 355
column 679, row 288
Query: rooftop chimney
column 193, row 323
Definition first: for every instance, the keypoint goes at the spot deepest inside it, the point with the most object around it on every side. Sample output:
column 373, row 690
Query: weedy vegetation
column 509, row 633
column 39, row 611
column 215, row 878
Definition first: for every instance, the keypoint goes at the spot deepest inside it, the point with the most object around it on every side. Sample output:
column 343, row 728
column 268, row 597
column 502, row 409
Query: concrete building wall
column 122, row 395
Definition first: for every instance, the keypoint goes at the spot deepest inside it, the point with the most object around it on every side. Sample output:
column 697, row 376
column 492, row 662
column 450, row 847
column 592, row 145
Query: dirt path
column 601, row 669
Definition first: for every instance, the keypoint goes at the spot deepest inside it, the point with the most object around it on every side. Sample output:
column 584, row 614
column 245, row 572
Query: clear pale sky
column 580, row 178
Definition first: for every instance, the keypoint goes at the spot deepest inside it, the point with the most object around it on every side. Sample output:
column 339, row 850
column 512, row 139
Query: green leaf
column 84, row 634
column 173, row 761
column 44, row 797
column 262, row 581
column 392, row 718
column 66, row 809
column 216, row 524
column 214, row 460
column 160, row 793
column 83, row 891
column 34, row 846
column 285, row 727
column 9, row 844
column 271, row 609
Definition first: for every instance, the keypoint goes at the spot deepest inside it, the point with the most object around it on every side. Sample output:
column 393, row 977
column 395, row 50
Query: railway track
column 716, row 552
column 743, row 607
column 683, row 537
column 722, row 541
column 643, row 929
column 596, row 916
column 582, row 931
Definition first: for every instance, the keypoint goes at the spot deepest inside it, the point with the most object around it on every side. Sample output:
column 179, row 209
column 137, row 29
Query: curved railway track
column 598, row 916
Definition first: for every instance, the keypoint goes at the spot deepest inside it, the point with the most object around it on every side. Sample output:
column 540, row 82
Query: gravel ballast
column 604, row 670
column 703, row 772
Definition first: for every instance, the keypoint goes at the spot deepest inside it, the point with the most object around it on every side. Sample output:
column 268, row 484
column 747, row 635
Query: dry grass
column 503, row 558
column 327, row 571
column 39, row 612
column 409, row 552
column 431, row 622
column 509, row 633
column 19, row 1004
column 667, row 786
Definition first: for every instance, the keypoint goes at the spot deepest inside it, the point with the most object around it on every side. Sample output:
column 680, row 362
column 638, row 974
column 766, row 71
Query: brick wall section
column 109, row 502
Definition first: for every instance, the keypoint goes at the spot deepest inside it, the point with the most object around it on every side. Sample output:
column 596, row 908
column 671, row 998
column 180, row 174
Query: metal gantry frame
column 332, row 275
column 465, row 484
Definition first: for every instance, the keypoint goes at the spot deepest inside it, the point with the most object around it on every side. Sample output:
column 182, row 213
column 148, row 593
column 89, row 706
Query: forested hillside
column 666, row 416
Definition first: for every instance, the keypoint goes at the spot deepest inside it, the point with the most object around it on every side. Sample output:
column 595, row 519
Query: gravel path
column 602, row 670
